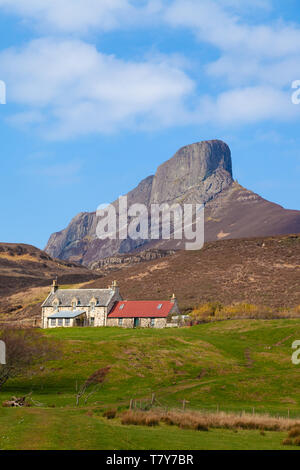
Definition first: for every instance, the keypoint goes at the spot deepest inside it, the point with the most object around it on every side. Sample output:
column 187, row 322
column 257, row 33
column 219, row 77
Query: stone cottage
column 105, row 307
column 78, row 307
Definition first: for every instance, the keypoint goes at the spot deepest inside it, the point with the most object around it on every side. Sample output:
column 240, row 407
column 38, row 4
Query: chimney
column 173, row 299
column 54, row 286
column 115, row 287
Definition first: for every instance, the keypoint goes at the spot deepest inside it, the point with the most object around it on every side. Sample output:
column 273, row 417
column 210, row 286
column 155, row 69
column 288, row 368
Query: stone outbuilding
column 145, row 314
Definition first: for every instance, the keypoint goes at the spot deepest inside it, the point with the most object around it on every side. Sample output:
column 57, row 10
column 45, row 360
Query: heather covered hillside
column 261, row 271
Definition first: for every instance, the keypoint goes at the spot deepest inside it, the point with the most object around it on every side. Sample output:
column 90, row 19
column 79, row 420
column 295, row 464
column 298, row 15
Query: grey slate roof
column 65, row 297
column 67, row 314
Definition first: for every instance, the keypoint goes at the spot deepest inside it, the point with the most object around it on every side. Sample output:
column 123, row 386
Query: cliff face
column 79, row 243
column 197, row 173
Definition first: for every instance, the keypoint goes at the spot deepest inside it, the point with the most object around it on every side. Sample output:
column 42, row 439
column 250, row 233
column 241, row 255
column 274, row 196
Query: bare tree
column 24, row 347
column 91, row 385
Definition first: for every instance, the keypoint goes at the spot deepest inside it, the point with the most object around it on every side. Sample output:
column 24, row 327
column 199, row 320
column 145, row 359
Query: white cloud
column 69, row 88
column 246, row 4
column 80, row 90
column 247, row 105
column 226, row 30
column 257, row 62
column 79, row 16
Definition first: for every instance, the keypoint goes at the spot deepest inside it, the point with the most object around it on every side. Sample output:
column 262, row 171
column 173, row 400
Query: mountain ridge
column 197, row 173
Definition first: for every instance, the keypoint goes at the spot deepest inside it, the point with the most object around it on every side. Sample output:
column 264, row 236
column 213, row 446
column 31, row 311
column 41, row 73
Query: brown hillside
column 24, row 267
column 263, row 271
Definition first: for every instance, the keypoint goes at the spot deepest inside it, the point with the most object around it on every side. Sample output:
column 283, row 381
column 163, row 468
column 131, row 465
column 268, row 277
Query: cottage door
column 136, row 322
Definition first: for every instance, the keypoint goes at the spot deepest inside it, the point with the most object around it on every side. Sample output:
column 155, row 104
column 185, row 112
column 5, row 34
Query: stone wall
column 99, row 315
column 144, row 322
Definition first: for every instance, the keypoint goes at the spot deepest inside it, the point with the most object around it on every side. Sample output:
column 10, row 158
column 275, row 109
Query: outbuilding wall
column 144, row 322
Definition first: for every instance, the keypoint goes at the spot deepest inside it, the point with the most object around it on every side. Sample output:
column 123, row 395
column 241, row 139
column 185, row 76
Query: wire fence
column 183, row 405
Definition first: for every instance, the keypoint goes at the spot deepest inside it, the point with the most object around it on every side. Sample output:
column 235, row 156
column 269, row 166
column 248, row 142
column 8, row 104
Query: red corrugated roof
column 141, row 309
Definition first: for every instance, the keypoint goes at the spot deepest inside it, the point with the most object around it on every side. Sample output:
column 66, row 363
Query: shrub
column 204, row 421
column 201, row 427
column 216, row 311
column 205, row 311
column 23, row 349
column 247, row 311
column 297, row 441
column 287, row 442
column 140, row 418
column 294, row 432
column 110, row 414
column 152, row 420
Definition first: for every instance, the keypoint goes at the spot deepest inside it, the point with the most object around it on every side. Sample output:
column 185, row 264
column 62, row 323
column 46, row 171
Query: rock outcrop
column 120, row 261
column 197, row 173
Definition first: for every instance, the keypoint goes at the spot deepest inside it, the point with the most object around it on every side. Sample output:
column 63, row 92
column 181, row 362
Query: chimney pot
column 54, row 285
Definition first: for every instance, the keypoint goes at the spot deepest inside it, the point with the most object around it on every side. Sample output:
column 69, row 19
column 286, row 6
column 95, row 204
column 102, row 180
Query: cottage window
column 120, row 321
column 92, row 321
column 152, row 322
column 60, row 322
column 67, row 321
column 53, row 321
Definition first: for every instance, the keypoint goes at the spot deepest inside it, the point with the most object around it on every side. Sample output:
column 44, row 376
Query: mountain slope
column 261, row 271
column 23, row 267
column 197, row 173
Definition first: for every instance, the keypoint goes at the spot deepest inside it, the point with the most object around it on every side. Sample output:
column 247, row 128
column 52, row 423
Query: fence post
column 153, row 399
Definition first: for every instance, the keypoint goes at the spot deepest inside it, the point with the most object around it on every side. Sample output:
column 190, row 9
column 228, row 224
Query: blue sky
column 100, row 92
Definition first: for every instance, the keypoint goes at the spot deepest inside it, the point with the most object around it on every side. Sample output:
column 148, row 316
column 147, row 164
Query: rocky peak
column 196, row 173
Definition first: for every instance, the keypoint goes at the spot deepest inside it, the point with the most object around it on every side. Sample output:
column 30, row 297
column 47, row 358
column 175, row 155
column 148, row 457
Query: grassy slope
column 235, row 365
column 61, row 429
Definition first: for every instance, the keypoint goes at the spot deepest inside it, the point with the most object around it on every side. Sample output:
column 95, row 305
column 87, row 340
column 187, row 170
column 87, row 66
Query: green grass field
column 230, row 366
column 69, row 429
